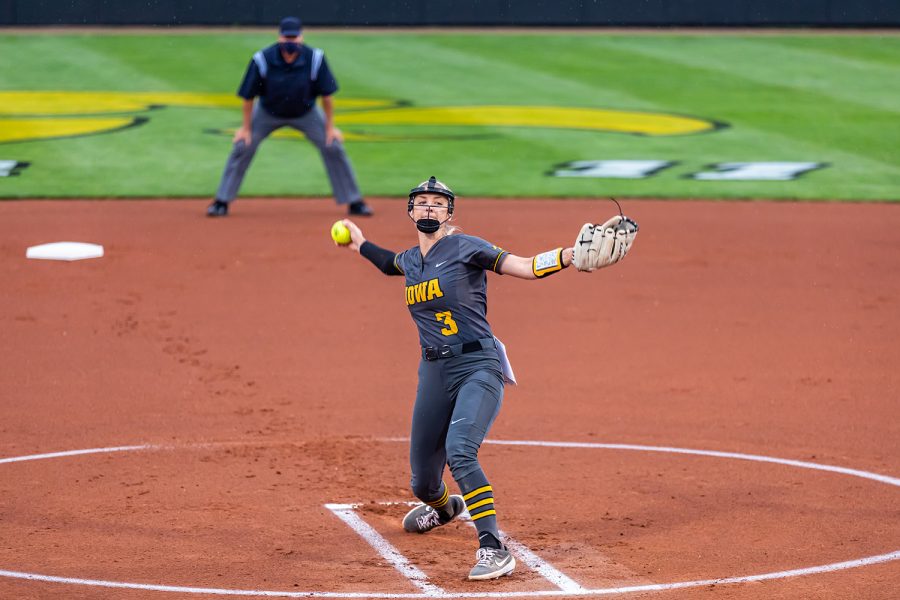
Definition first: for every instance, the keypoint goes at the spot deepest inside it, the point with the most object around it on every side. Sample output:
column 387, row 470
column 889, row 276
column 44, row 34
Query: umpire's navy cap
column 290, row 26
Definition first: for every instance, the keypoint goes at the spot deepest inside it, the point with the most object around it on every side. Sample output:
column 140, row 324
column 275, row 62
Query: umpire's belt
column 436, row 352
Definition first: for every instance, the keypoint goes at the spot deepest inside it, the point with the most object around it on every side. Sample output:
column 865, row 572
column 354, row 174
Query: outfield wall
column 356, row 13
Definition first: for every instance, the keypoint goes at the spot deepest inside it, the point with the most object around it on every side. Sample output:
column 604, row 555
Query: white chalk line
column 531, row 560
column 541, row 567
column 538, row 564
column 714, row 453
column 347, row 514
column 736, row 455
column 654, row 587
column 818, row 569
column 15, row 459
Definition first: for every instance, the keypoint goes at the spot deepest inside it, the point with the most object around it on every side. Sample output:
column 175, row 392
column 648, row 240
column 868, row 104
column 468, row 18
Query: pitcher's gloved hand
column 599, row 246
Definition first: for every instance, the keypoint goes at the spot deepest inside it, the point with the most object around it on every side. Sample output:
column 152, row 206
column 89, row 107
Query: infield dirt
column 753, row 327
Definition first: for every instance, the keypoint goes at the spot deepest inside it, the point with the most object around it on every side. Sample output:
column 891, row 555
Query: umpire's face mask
column 289, row 47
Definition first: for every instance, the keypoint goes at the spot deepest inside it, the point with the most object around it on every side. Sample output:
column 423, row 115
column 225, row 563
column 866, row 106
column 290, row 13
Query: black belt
column 436, row 352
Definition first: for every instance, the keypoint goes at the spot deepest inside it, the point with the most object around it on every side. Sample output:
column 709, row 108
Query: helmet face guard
column 432, row 186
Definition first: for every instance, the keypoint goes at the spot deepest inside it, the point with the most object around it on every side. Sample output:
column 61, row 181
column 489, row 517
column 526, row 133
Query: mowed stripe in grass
column 836, row 103
column 822, row 98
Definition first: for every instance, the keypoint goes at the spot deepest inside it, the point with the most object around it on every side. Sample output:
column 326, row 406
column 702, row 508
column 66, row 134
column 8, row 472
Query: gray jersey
column 447, row 290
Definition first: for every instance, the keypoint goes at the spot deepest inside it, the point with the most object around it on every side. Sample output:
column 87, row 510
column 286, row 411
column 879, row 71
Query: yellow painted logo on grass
column 34, row 115
column 21, row 130
column 546, row 117
column 95, row 103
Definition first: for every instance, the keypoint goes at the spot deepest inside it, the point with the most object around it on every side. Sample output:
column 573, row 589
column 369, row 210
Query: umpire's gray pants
column 456, row 403
column 312, row 124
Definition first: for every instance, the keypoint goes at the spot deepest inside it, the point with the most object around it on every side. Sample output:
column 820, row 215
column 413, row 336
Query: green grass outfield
column 814, row 97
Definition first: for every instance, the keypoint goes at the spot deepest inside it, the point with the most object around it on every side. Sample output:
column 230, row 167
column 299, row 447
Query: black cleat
column 217, row 209
column 359, row 209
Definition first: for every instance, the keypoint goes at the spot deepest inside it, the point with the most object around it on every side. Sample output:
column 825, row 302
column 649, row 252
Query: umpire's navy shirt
column 287, row 90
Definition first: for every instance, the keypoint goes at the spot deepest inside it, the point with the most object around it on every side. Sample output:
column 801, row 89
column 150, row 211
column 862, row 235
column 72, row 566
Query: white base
column 68, row 251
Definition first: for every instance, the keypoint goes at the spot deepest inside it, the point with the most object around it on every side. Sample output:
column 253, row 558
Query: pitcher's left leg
column 477, row 405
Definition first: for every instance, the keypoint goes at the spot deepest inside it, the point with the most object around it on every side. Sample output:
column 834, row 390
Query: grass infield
column 830, row 99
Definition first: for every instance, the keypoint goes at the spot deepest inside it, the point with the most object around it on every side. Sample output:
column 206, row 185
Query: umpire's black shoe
column 217, row 209
column 360, row 209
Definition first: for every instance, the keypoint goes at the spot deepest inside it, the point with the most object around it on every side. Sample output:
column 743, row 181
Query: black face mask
column 289, row 47
column 428, row 225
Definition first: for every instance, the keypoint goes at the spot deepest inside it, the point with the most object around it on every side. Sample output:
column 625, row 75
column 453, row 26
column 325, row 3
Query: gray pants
column 456, row 403
column 312, row 124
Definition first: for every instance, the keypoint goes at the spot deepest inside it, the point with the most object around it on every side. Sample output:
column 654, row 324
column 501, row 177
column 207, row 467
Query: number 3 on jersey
column 447, row 319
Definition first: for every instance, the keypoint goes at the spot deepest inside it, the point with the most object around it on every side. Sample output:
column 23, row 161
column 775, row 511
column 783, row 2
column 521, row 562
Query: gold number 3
column 447, row 319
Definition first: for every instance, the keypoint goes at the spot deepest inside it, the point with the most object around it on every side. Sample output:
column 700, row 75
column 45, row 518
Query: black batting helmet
column 432, row 186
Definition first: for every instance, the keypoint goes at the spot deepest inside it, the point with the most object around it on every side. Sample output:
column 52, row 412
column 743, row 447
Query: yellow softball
column 340, row 234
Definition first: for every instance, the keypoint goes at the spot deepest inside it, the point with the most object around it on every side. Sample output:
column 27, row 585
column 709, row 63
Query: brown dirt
column 266, row 364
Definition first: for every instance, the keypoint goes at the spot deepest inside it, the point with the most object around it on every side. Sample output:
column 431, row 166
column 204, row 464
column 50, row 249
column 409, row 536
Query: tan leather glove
column 599, row 246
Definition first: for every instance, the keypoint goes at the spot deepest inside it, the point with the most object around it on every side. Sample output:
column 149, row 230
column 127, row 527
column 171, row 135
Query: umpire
column 288, row 77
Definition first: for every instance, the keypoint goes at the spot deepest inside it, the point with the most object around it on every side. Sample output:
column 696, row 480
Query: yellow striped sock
column 443, row 500
column 481, row 508
column 480, row 490
column 480, row 503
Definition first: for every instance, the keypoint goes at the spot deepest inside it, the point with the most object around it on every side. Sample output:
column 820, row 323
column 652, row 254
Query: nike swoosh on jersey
column 457, row 421
column 437, row 266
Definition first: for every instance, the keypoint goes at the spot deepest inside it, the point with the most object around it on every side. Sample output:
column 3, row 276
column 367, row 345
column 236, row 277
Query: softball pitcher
column 463, row 366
